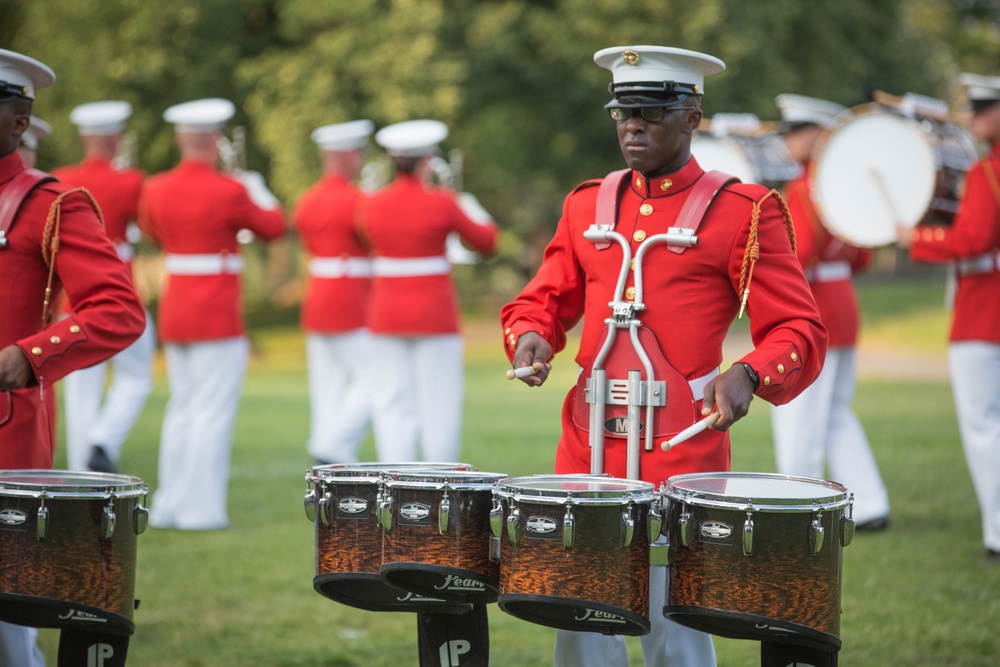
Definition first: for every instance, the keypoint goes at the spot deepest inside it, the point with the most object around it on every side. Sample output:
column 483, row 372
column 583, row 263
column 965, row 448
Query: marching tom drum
column 68, row 547
column 879, row 167
column 761, row 159
column 757, row 556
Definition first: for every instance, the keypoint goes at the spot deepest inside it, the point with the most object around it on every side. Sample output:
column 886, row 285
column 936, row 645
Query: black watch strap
column 752, row 373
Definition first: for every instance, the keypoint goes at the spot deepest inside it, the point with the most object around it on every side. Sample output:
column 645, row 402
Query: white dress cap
column 22, row 76
column 101, row 118
column 200, row 116
column 412, row 138
column 343, row 136
column 981, row 88
column 658, row 63
column 37, row 131
column 801, row 109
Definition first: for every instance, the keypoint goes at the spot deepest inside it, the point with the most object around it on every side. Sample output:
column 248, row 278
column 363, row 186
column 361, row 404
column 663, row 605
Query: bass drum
column 761, row 159
column 879, row 167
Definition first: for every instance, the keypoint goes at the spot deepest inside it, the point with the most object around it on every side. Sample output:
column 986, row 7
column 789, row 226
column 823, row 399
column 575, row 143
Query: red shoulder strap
column 607, row 198
column 15, row 193
column 699, row 200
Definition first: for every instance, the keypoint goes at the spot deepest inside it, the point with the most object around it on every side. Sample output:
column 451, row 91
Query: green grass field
column 920, row 594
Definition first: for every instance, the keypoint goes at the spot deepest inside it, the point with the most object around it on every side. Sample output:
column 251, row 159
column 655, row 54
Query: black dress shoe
column 873, row 525
column 100, row 461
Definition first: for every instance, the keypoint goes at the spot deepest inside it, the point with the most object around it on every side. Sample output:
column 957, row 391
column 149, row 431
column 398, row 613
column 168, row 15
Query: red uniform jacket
column 117, row 192
column 326, row 219
column 408, row 220
column 109, row 314
column 195, row 210
column 814, row 245
column 691, row 301
column 974, row 232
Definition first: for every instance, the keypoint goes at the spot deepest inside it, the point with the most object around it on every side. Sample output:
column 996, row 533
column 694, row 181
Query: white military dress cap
column 200, row 116
column 412, row 138
column 37, row 131
column 801, row 109
column 980, row 87
column 21, row 76
column 343, row 136
column 630, row 64
column 101, row 118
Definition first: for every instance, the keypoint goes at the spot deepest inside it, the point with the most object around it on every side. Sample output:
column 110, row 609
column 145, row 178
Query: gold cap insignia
column 631, row 57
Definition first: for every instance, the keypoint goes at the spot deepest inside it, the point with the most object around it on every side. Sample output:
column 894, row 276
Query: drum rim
column 432, row 480
column 698, row 498
column 639, row 492
column 117, row 485
column 373, row 471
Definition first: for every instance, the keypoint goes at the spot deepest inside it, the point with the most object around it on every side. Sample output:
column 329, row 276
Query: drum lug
column 627, row 527
column 324, row 508
column 568, row 522
column 108, row 520
column 654, row 524
column 42, row 522
column 684, row 528
column 496, row 518
column 748, row 535
column 512, row 518
column 816, row 533
column 385, row 512
column 140, row 519
column 310, row 505
column 444, row 514
column 847, row 524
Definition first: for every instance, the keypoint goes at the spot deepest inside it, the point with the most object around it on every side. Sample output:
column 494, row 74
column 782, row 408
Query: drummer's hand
column 15, row 371
column 533, row 349
column 730, row 393
column 904, row 236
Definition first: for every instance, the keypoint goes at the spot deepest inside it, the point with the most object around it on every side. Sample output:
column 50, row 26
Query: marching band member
column 819, row 426
column 35, row 256
column 194, row 213
column 972, row 242
column 333, row 311
column 37, row 132
column 413, row 313
column 97, row 423
column 692, row 293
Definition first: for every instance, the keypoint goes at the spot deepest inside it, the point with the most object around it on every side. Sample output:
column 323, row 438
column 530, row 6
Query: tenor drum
column 342, row 500
column 761, row 159
column 574, row 551
column 757, row 556
column 436, row 535
column 68, row 547
column 879, row 167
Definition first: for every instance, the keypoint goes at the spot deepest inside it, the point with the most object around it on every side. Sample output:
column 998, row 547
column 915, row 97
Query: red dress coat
column 195, row 210
column 408, row 220
column 975, row 232
column 117, row 192
column 814, row 245
column 109, row 315
column 691, row 301
column 326, row 219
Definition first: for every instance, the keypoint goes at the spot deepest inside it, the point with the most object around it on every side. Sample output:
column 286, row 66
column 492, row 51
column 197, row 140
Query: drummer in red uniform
column 36, row 349
column 194, row 213
column 972, row 243
column 819, row 426
column 97, row 423
column 413, row 315
column 37, row 132
column 338, row 345
column 693, row 289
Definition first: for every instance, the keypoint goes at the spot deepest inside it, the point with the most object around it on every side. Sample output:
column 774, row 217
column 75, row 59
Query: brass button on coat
column 646, row 209
column 630, row 294
column 74, row 328
column 639, row 236
column 56, row 340
column 795, row 357
column 37, row 351
column 781, row 368
column 767, row 380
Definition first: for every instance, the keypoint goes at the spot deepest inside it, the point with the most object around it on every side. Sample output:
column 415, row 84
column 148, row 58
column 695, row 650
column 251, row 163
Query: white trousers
column 205, row 380
column 819, row 426
column 18, row 647
column 93, row 418
column 668, row 644
column 975, row 381
column 340, row 394
column 418, row 397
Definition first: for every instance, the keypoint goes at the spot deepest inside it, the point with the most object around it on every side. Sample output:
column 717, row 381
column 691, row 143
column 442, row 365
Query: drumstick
column 525, row 371
column 880, row 185
column 691, row 431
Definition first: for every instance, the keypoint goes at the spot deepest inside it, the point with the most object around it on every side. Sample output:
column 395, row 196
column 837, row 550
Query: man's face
column 14, row 122
column 654, row 148
column 985, row 125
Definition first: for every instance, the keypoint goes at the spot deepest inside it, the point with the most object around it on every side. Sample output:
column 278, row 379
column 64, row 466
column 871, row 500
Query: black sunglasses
column 649, row 114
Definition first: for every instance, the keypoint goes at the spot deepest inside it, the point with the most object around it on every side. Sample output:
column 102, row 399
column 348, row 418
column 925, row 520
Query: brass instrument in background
column 233, row 151
column 127, row 153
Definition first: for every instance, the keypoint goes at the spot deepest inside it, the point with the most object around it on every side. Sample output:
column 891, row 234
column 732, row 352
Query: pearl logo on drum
column 415, row 512
column 9, row 517
column 77, row 615
column 540, row 524
column 352, row 505
column 596, row 615
column 716, row 530
column 453, row 583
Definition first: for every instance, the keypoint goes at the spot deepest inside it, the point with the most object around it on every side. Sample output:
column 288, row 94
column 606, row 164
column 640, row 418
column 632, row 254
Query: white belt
column 393, row 267
column 125, row 251
column 985, row 263
column 203, row 265
column 340, row 267
column 828, row 272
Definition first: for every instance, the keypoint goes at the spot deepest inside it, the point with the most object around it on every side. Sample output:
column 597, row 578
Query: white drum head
column 722, row 154
column 872, row 171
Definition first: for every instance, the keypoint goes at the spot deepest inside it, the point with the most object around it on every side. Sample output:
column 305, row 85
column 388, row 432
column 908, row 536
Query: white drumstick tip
column 524, row 371
column 691, row 431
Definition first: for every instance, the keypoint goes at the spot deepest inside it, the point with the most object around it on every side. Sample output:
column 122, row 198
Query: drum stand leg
column 454, row 640
column 93, row 649
column 789, row 655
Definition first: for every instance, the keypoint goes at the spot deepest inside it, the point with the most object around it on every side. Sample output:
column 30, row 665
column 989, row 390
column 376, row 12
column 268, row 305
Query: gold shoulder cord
column 50, row 242
column 752, row 252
